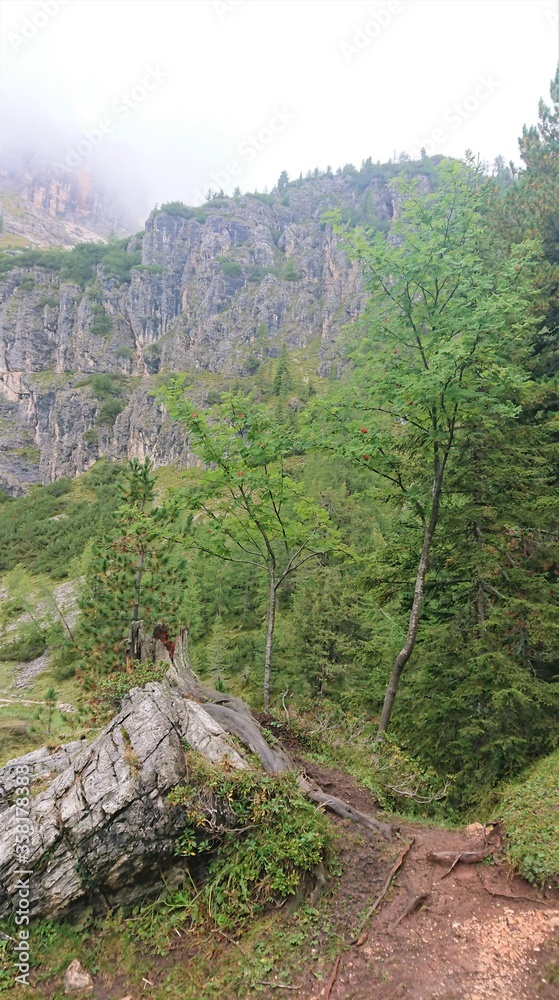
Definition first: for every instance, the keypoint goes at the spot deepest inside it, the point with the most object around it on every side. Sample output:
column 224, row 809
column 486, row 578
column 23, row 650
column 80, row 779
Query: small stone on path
column 76, row 978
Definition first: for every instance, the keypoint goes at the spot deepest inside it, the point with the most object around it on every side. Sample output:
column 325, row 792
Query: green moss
column 49, row 379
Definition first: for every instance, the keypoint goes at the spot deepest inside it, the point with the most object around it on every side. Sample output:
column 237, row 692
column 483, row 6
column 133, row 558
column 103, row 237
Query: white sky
column 227, row 66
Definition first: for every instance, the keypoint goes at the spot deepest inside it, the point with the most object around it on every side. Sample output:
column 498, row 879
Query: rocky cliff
column 44, row 206
column 206, row 290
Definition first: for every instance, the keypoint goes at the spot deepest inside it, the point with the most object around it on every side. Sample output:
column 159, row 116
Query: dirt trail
column 460, row 942
column 467, row 938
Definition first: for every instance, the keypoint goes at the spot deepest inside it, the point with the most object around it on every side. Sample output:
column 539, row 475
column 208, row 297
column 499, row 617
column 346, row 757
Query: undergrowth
column 257, row 842
column 530, row 810
column 399, row 783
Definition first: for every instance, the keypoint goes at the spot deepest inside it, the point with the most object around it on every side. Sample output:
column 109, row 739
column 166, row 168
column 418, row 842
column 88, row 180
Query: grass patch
column 399, row 783
column 530, row 812
column 273, row 837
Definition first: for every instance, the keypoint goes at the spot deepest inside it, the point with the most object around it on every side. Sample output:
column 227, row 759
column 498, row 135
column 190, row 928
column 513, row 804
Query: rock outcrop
column 219, row 289
column 104, row 833
column 43, row 205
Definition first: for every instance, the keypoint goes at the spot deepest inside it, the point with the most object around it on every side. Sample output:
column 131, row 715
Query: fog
column 165, row 100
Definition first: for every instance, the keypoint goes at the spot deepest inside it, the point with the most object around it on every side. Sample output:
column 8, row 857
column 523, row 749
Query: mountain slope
column 215, row 289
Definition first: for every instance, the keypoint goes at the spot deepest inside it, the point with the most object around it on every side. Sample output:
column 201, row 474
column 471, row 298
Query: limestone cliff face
column 44, row 206
column 215, row 285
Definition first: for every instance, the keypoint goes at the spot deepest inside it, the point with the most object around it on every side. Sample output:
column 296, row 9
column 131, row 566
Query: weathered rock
column 104, row 832
column 76, row 978
column 215, row 292
column 39, row 764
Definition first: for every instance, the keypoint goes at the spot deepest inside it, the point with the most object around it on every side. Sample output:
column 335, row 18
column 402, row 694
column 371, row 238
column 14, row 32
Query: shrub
column 125, row 352
column 290, row 272
column 271, row 838
column 102, row 323
column 109, row 411
column 103, row 384
column 181, row 210
column 26, row 645
column 79, row 264
column 230, row 267
column 266, row 199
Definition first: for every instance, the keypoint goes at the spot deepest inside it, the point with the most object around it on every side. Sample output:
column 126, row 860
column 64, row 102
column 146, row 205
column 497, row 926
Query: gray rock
column 206, row 285
column 103, row 832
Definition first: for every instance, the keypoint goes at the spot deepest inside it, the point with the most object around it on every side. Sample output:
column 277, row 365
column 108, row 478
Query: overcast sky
column 182, row 96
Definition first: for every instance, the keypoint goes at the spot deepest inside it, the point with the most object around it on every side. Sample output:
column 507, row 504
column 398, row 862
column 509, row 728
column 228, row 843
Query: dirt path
column 460, row 942
column 476, row 933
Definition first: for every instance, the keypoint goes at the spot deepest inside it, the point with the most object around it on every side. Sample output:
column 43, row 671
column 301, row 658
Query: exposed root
column 509, row 895
column 466, row 857
column 334, row 977
column 416, row 902
column 344, row 810
column 395, row 868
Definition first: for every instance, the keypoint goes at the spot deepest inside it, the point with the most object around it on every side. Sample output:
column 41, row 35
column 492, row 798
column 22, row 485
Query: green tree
column 443, row 349
column 530, row 209
column 137, row 572
column 283, row 382
column 252, row 509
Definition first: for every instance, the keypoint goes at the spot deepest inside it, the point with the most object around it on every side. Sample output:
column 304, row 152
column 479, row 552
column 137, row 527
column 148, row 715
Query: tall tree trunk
column 415, row 614
column 269, row 640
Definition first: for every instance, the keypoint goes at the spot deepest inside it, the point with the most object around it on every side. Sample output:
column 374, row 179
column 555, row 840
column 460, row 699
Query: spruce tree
column 442, row 353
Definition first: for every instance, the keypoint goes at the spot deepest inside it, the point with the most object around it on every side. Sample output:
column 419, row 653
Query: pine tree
column 135, row 574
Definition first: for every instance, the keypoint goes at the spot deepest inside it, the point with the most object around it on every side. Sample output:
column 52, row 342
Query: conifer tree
column 442, row 353
column 283, row 382
column 134, row 574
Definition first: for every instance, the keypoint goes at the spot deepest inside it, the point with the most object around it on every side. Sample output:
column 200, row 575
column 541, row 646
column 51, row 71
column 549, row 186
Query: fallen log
column 103, row 833
column 453, row 857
